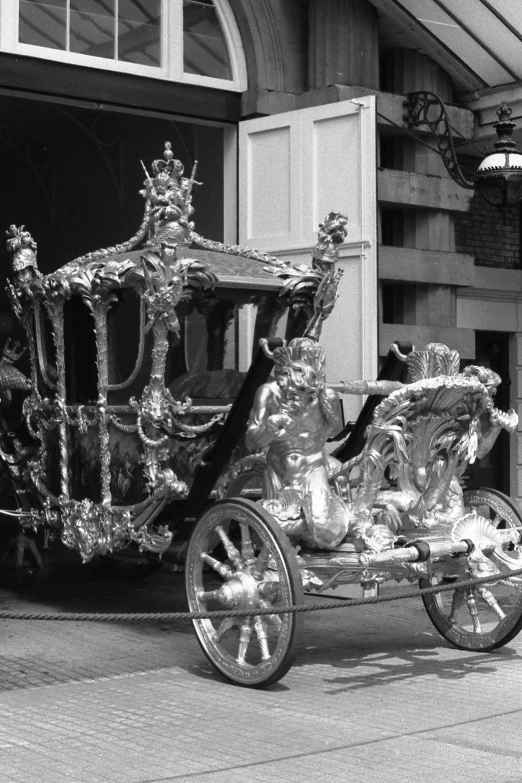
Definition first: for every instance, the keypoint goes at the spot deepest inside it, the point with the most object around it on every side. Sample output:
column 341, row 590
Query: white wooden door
column 296, row 167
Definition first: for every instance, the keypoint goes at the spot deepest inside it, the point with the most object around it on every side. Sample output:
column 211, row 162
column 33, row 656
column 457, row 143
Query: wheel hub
column 240, row 592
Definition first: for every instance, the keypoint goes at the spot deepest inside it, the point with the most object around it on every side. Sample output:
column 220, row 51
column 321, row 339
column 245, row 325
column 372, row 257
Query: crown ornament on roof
column 169, row 164
column 169, row 195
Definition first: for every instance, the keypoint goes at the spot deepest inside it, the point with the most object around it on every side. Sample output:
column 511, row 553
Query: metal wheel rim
column 266, row 671
column 493, row 631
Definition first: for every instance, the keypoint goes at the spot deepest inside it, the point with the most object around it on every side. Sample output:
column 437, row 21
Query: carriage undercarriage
column 238, row 560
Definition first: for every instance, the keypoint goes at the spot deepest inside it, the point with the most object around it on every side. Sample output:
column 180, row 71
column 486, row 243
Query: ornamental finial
column 23, row 247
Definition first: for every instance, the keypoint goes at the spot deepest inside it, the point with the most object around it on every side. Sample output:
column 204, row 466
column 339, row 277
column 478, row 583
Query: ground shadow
column 376, row 665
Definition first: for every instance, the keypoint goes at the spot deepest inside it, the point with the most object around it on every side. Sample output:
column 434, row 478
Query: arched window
column 194, row 41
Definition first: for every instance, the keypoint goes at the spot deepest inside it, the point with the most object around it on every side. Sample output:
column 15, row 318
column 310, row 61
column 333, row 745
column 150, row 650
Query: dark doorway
column 72, row 176
column 492, row 350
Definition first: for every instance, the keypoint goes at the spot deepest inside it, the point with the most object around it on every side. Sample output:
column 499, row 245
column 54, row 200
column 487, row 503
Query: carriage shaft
column 416, row 553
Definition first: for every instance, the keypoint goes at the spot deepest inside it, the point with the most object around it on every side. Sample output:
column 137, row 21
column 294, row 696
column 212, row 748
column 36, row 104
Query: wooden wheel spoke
column 273, row 618
column 247, row 548
column 244, row 640
column 456, row 603
column 491, row 601
column 224, row 626
column 473, row 611
column 208, row 595
column 261, row 562
column 223, row 570
column 262, row 636
column 232, row 551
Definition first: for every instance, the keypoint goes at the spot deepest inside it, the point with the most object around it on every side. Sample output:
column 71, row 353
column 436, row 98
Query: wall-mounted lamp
column 499, row 175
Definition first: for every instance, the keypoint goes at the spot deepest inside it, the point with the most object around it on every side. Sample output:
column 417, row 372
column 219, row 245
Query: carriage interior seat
column 206, row 386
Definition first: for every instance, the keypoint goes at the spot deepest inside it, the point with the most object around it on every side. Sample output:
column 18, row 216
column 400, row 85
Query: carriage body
column 134, row 365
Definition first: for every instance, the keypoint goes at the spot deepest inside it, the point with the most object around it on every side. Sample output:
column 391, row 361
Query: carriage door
column 294, row 168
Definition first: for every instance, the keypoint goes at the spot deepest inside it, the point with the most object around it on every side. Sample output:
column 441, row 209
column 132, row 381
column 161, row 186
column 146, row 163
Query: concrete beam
column 425, row 266
column 404, row 188
column 461, row 340
column 495, row 279
column 390, row 107
column 489, row 315
column 266, row 102
column 485, row 110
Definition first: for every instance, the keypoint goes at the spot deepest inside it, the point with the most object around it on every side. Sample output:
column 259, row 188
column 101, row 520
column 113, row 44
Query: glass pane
column 43, row 23
column 92, row 28
column 139, row 31
column 204, row 46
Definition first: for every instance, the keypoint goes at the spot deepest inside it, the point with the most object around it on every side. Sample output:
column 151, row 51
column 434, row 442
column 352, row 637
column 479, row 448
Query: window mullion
column 9, row 23
column 175, row 28
column 68, row 26
column 116, row 17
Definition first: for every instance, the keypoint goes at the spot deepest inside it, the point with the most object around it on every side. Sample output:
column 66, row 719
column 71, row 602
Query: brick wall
column 490, row 234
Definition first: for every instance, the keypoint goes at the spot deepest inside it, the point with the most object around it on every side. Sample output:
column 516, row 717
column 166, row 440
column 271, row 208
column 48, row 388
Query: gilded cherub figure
column 293, row 415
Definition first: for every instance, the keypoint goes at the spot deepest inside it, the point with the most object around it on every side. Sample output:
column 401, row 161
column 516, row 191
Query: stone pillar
column 342, row 44
column 425, row 229
column 406, row 70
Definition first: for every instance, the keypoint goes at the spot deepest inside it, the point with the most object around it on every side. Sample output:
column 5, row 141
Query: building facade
column 292, row 108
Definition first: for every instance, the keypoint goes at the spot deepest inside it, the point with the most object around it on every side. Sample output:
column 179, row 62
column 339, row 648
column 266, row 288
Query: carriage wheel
column 239, row 558
column 488, row 616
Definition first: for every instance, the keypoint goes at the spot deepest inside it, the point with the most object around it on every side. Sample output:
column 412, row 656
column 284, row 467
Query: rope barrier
column 291, row 609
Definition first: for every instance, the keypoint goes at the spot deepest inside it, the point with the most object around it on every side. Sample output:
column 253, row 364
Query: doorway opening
column 492, row 351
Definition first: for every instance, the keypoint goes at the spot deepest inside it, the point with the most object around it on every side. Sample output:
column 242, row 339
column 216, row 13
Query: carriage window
column 203, row 364
column 46, row 348
column 129, row 347
column 81, row 372
column 205, row 49
column 120, row 30
column 195, row 41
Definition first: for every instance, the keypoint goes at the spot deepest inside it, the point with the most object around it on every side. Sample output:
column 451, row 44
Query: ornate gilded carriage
column 134, row 363
column 139, row 429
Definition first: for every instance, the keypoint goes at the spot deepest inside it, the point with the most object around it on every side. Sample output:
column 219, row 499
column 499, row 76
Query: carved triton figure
column 293, row 415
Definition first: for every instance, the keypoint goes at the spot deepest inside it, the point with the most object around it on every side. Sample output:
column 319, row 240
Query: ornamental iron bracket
column 426, row 108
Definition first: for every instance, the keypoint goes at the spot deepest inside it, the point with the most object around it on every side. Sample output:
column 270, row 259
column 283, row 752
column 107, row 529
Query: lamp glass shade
column 499, row 178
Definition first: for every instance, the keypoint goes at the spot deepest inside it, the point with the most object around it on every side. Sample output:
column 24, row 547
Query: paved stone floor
column 376, row 695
